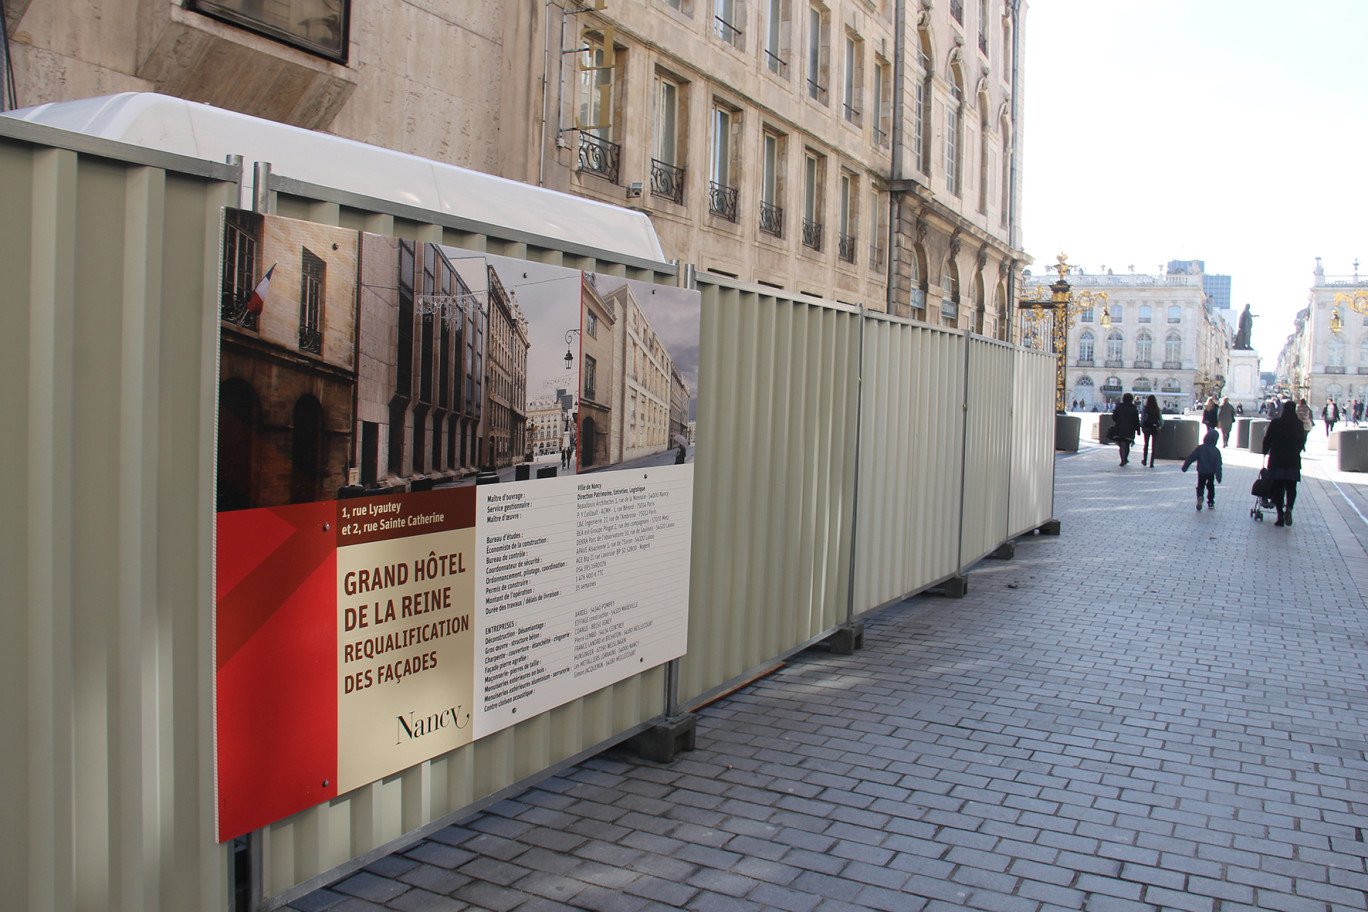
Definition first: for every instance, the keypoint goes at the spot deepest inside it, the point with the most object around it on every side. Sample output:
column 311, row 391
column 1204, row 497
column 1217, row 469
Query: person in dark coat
column 1225, row 417
column 1210, row 414
column 1330, row 414
column 1283, row 444
column 1125, row 425
column 1150, row 423
column 1208, row 459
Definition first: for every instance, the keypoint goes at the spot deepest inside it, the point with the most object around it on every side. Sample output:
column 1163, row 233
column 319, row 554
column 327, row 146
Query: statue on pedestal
column 1246, row 328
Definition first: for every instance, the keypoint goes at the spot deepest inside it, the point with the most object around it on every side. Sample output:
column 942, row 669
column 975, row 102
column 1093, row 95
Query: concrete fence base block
column 954, row 587
column 1005, row 551
column 1353, row 451
column 847, row 639
column 668, row 738
column 1051, row 527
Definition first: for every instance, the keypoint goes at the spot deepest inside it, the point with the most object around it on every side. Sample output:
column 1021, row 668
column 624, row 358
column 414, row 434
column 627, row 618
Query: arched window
column 1085, row 346
column 1171, row 385
column 1000, row 311
column 1115, row 342
column 1145, row 313
column 1173, row 348
column 1334, row 391
column 1144, row 347
column 919, row 277
column 980, row 303
column 954, row 120
column 950, row 290
column 1142, row 385
column 1112, row 385
column 1084, row 392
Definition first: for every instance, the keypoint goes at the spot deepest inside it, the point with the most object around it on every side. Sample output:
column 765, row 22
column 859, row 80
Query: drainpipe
column 1016, row 146
column 895, row 167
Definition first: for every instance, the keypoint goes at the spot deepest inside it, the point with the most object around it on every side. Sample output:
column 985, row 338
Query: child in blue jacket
column 1208, row 459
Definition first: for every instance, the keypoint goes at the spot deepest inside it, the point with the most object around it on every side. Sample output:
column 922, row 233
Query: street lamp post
column 1060, row 309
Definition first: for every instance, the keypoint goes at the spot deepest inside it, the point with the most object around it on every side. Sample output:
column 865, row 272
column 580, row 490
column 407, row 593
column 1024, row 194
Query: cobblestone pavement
column 1158, row 709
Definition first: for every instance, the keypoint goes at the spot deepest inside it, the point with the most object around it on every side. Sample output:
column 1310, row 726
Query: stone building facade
column 1162, row 336
column 288, row 370
column 599, row 434
column 1326, row 356
column 828, row 147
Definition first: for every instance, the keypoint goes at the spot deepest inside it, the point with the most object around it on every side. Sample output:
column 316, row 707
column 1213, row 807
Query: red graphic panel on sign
column 276, row 659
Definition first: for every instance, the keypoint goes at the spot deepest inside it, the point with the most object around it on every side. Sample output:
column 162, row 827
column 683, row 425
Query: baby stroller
column 1262, row 491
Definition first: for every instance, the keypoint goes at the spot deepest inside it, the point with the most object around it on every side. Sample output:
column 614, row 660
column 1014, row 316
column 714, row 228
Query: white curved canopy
column 201, row 131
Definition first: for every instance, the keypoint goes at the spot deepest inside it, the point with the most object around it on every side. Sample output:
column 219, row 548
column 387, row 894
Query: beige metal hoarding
column 110, row 258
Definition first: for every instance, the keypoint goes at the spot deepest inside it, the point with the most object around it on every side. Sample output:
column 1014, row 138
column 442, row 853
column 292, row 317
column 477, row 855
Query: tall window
column 1115, row 343
column 954, row 117
column 921, row 102
column 1173, row 348
column 1145, row 313
column 847, row 237
column 919, row 279
column 882, row 93
column 1175, row 313
column 725, row 21
column 1335, row 353
column 1115, row 312
column 722, row 192
column 667, row 173
column 816, row 57
column 590, row 371
column 598, row 154
column 850, row 102
column 878, row 226
column 1005, row 178
column 983, row 154
column 1087, row 315
column 812, row 200
column 983, row 27
column 1085, row 346
column 776, row 37
column 1363, row 356
column 771, row 210
column 1144, row 347
column 311, row 303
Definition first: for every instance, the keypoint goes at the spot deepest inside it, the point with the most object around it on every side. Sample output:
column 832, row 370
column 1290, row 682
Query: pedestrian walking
column 1225, row 417
column 1308, row 420
column 1211, row 413
column 1125, row 425
column 1330, row 415
column 1150, row 423
column 1208, row 459
column 1283, row 444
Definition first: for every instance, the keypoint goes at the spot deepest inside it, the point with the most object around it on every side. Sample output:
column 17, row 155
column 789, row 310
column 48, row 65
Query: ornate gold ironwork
column 1062, row 309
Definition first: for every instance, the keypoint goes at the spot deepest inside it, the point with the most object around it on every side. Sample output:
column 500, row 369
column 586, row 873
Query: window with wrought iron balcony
column 722, row 200
column 599, row 156
column 667, row 181
column 846, row 248
column 812, row 234
column 771, row 219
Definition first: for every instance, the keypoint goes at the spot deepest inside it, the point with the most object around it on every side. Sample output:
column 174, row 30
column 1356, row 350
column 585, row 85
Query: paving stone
column 370, row 887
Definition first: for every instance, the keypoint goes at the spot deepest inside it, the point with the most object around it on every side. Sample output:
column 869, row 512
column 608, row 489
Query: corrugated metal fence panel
column 362, row 823
column 1032, row 490
column 991, row 427
column 107, row 362
column 910, row 459
column 772, row 492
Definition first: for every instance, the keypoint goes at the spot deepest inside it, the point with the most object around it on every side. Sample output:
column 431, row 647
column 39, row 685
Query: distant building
column 1326, row 356
column 1217, row 287
column 600, row 435
column 1162, row 337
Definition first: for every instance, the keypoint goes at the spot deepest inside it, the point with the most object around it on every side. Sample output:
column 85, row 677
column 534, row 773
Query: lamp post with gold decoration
column 1050, row 318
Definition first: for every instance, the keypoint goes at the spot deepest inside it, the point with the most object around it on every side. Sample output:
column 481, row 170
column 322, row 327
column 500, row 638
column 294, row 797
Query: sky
column 1230, row 132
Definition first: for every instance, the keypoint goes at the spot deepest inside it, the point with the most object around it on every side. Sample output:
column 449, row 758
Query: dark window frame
column 233, row 13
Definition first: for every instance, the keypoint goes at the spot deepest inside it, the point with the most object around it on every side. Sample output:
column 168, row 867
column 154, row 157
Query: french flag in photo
column 258, row 298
